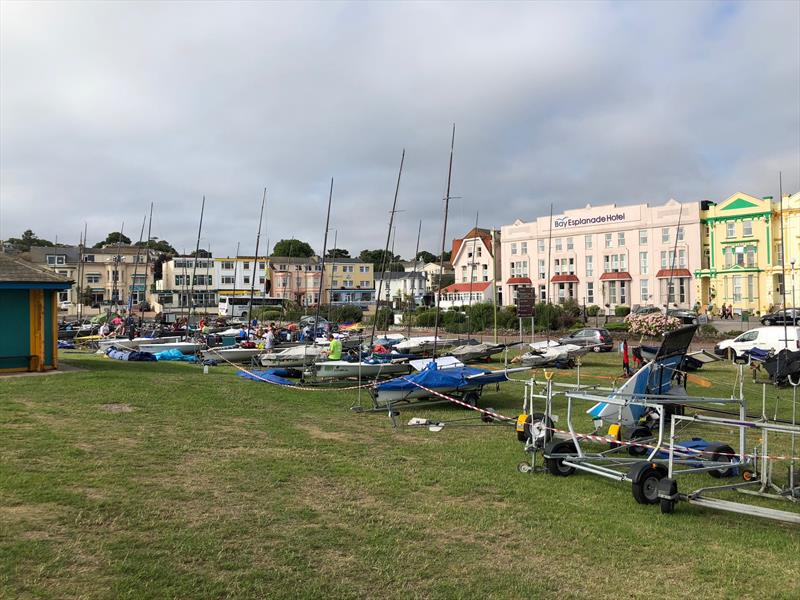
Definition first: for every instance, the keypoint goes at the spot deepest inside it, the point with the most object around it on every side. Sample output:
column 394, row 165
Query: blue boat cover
column 175, row 354
column 65, row 345
column 453, row 378
column 270, row 375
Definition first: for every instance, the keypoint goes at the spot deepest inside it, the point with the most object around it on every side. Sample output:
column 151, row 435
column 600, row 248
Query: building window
column 779, row 253
column 542, row 293
column 513, row 248
column 558, row 245
column 643, row 237
column 523, row 248
column 542, row 273
column 730, row 229
column 88, row 258
column 643, row 263
column 227, row 266
column 247, row 280
column 747, row 228
column 347, row 268
column 728, row 260
column 644, row 289
column 737, row 288
column 608, row 240
column 246, row 266
column 682, row 258
column 587, row 240
column 570, row 244
column 179, row 280
column 612, row 292
column 56, row 259
column 621, row 239
column 93, row 278
column 751, row 256
column 540, row 245
column 348, row 283
column 589, row 266
column 750, row 288
column 680, row 234
column 364, row 269
column 590, row 292
column 227, row 280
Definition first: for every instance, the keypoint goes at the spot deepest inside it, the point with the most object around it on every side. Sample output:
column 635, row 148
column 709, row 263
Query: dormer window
column 56, row 259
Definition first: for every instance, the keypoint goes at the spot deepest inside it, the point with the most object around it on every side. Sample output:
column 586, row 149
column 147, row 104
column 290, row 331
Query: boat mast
column 783, row 266
column 471, row 278
column 81, row 273
column 135, row 273
column 547, row 287
column 413, row 282
column 232, row 295
column 209, row 260
column 194, row 265
column 146, row 262
column 672, row 265
column 255, row 265
column 333, row 269
column 322, row 266
column 444, row 237
column 114, row 290
column 384, row 262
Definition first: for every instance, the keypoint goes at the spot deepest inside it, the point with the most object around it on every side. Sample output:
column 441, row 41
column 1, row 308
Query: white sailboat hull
column 183, row 347
column 339, row 369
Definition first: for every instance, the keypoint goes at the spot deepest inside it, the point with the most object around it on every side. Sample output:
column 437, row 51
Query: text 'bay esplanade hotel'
column 606, row 255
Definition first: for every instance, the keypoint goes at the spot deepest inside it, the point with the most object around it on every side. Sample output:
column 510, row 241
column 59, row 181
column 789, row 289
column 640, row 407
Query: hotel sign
column 566, row 222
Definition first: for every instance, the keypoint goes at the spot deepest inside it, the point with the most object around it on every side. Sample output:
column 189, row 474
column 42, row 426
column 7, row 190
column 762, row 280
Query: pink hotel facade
column 606, row 255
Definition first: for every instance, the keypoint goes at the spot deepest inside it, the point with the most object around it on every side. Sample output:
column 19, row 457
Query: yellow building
column 788, row 223
column 739, row 255
column 349, row 281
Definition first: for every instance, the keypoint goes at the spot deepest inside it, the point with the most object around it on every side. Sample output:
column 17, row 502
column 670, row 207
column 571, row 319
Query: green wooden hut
column 29, row 315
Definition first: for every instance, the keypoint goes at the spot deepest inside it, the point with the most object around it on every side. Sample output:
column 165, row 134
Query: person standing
column 269, row 339
column 334, row 348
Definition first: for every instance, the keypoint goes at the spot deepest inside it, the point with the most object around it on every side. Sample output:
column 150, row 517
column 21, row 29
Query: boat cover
column 452, row 378
column 121, row 354
column 270, row 375
column 174, row 354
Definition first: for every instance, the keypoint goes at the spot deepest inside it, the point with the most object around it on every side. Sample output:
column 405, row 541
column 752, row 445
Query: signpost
column 526, row 298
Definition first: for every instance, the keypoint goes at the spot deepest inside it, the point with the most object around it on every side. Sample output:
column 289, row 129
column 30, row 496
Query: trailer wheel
column 555, row 466
column 524, row 467
column 721, row 453
column 471, row 398
column 668, row 495
column 645, row 478
column 638, row 434
column 538, row 428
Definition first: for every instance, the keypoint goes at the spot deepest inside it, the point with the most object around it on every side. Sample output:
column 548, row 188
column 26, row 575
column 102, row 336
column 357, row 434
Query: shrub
column 571, row 308
column 622, row 311
column 267, row 314
column 347, row 313
column 708, row 330
column 593, row 310
column 652, row 325
column 426, row 318
column 384, row 318
column 617, row 326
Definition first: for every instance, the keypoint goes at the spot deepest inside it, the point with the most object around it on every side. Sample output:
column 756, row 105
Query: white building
column 463, row 295
column 182, row 276
column 476, row 256
column 606, row 255
column 237, row 276
column 400, row 286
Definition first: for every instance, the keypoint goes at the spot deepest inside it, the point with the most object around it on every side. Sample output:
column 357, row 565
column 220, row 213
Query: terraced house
column 742, row 254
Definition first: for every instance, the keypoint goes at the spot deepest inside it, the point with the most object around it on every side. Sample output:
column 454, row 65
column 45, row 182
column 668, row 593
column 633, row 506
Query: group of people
column 726, row 312
column 119, row 327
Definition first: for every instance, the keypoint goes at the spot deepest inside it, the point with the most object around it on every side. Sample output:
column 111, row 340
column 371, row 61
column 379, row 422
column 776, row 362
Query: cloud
column 105, row 107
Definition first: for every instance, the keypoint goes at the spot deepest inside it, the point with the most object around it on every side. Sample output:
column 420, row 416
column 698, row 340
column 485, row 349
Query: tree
column 446, row 256
column 337, row 253
column 426, row 256
column 158, row 246
column 292, row 248
column 28, row 239
column 376, row 257
column 113, row 238
column 201, row 253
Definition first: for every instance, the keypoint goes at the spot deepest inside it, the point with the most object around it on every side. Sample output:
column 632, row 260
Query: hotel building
column 606, row 255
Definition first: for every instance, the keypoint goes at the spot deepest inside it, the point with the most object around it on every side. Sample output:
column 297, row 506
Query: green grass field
column 211, row 486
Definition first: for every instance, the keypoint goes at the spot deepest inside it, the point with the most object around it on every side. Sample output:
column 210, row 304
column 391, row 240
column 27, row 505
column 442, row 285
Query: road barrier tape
column 600, row 438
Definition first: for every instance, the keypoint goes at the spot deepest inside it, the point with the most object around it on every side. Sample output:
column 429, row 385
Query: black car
column 789, row 316
column 646, row 310
column 686, row 317
column 598, row 339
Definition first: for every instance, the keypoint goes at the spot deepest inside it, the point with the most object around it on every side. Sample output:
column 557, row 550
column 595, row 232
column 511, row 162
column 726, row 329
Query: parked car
column 64, row 305
column 770, row 339
column 687, row 317
column 788, row 316
column 599, row 339
column 646, row 310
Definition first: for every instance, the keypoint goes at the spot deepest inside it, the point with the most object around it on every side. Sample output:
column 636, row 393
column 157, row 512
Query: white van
column 763, row 338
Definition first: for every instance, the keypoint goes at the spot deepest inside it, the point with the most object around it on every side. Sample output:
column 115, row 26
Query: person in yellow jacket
column 334, row 349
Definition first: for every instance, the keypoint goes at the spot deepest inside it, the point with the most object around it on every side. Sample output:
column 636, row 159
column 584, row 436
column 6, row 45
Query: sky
column 107, row 107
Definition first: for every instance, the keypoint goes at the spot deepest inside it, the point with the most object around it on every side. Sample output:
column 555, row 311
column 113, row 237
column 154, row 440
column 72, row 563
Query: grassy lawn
column 212, row 486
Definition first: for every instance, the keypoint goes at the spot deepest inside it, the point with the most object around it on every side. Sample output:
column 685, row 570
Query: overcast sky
column 105, row 107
